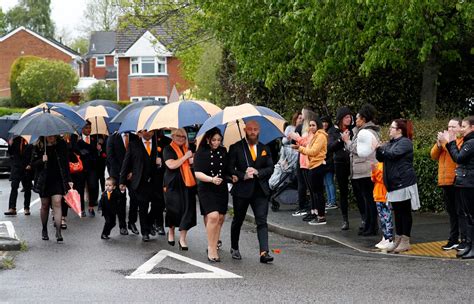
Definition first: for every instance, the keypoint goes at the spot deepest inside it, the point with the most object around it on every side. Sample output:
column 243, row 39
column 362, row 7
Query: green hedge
column 431, row 198
column 8, row 111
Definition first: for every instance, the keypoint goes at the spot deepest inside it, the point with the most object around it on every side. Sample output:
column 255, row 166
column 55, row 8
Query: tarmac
column 429, row 232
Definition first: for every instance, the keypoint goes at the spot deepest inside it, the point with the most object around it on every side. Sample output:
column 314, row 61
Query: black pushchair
column 283, row 183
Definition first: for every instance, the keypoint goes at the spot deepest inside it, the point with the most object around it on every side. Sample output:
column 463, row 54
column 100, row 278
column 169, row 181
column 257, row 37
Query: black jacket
column 141, row 165
column 397, row 158
column 237, row 165
column 464, row 157
column 89, row 152
column 116, row 153
column 20, row 158
column 41, row 167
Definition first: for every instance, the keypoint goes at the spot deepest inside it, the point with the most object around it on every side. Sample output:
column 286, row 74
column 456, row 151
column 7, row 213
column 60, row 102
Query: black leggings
column 316, row 187
column 302, row 199
column 403, row 219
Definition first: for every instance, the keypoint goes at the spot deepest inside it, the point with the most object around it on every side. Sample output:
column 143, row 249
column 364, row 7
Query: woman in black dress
column 52, row 179
column 179, row 187
column 210, row 162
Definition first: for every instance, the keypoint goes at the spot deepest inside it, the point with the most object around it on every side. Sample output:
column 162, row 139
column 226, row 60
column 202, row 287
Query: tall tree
column 33, row 14
column 101, row 15
column 3, row 23
column 271, row 39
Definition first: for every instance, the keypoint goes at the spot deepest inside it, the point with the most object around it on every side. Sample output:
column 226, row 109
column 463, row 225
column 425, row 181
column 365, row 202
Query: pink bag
column 73, row 199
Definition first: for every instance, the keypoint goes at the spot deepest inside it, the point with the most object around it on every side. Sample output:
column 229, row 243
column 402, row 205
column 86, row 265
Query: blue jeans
column 330, row 188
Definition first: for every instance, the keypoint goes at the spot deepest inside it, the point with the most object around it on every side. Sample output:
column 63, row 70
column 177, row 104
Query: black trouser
column 363, row 191
column 121, row 210
column 450, row 205
column 133, row 206
column 100, row 169
column 460, row 213
column 145, row 212
column 403, row 218
column 259, row 203
column 467, row 205
column 316, row 188
column 302, row 196
column 343, row 170
column 157, row 209
column 27, row 185
column 92, row 181
column 110, row 214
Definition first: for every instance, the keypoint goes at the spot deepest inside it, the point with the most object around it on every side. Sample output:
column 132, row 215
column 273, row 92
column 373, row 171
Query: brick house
column 144, row 66
column 101, row 60
column 22, row 42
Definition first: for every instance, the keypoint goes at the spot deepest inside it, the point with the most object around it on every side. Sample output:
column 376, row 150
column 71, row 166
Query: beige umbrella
column 97, row 116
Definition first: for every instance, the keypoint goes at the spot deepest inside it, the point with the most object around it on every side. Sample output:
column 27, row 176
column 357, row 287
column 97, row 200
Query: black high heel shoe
column 59, row 237
column 182, row 248
column 44, row 234
column 171, row 243
column 213, row 260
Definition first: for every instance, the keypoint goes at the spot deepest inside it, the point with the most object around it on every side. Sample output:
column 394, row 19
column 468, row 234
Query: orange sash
column 185, row 168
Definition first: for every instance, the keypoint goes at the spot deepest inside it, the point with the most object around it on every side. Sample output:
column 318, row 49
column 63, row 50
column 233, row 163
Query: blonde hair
column 180, row 131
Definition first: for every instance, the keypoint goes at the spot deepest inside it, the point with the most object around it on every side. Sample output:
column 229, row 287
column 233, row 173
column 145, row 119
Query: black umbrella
column 41, row 124
column 101, row 102
column 119, row 118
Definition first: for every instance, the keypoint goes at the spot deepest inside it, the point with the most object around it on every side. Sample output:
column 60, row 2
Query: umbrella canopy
column 135, row 119
column 119, row 118
column 231, row 122
column 101, row 102
column 99, row 116
column 41, row 124
column 181, row 114
column 61, row 109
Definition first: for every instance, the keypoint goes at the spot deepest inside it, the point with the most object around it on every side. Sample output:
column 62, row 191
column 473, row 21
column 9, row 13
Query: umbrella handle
column 243, row 146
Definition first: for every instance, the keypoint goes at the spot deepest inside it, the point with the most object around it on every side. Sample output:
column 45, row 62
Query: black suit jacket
column 20, row 157
column 116, row 153
column 140, row 164
column 89, row 153
column 238, row 165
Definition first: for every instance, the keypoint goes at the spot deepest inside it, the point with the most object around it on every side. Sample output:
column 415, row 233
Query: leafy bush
column 18, row 66
column 5, row 101
column 123, row 103
column 102, row 90
column 47, row 81
column 431, row 198
column 8, row 111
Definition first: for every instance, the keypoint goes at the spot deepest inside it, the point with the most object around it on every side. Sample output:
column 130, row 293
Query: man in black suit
column 251, row 163
column 89, row 150
column 20, row 154
column 117, row 145
column 140, row 166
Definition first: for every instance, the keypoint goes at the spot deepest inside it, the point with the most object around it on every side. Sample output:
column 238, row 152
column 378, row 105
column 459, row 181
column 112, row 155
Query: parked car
column 4, row 156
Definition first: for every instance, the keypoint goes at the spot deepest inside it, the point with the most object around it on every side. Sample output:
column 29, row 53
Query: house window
column 148, row 65
column 140, row 98
column 116, row 60
column 100, row 61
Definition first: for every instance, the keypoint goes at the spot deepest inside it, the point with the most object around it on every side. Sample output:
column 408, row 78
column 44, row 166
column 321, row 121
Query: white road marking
column 215, row 273
column 36, row 201
column 10, row 229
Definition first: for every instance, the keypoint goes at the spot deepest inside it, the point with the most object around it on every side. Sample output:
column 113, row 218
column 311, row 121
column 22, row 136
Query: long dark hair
column 207, row 136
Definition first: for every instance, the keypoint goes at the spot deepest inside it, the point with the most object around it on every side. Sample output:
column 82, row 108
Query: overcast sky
column 66, row 14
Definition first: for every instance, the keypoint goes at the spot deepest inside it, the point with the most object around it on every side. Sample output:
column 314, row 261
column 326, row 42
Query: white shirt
column 84, row 138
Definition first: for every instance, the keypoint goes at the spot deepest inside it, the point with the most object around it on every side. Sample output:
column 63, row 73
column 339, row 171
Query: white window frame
column 140, row 98
column 158, row 60
column 97, row 61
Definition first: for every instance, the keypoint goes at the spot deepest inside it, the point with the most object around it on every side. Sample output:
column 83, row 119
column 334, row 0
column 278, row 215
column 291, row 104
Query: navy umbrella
column 120, row 117
column 101, row 102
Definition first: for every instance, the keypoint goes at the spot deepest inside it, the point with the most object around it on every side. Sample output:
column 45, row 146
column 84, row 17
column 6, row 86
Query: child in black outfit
column 109, row 200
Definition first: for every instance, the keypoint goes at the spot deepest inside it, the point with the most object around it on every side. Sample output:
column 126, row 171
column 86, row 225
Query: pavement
column 429, row 231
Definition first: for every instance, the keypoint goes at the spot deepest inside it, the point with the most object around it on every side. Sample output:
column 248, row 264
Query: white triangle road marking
column 142, row 272
column 10, row 229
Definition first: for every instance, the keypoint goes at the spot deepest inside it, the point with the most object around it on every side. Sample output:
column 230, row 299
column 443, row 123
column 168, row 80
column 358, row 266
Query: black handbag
column 40, row 181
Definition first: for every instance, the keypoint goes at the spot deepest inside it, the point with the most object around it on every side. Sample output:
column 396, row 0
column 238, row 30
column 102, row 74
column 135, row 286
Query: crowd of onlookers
column 161, row 172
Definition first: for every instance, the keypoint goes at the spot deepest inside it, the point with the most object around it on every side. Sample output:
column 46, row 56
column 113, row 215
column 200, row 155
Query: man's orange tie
column 252, row 152
column 126, row 140
column 88, row 140
column 148, row 148
column 108, row 195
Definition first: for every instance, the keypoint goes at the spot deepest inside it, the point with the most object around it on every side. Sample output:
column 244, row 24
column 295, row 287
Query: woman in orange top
column 316, row 151
column 383, row 207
